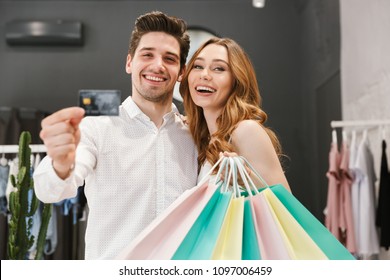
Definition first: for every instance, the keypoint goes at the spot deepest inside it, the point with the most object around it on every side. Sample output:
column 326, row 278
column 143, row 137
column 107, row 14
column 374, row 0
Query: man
column 134, row 165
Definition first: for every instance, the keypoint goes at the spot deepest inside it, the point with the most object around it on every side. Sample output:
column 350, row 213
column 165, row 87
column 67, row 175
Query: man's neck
column 154, row 110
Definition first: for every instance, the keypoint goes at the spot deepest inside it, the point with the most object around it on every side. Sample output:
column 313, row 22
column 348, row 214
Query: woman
column 222, row 104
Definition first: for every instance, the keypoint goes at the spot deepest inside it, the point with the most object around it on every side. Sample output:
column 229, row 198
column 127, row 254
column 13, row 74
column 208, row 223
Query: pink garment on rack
column 332, row 217
column 346, row 217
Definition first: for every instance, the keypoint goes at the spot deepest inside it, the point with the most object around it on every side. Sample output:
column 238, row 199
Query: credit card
column 100, row 102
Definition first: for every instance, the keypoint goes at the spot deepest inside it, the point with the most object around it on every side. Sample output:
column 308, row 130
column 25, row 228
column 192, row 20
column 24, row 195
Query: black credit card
column 100, row 102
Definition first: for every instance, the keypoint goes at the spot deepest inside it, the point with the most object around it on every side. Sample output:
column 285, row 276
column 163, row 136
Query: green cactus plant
column 22, row 209
column 46, row 215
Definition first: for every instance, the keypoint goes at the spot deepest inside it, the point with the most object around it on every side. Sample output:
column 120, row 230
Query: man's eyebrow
column 174, row 54
column 147, row 49
column 152, row 49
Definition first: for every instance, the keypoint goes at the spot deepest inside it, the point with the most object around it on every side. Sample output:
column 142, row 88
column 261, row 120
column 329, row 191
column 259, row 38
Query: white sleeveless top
column 207, row 166
column 204, row 170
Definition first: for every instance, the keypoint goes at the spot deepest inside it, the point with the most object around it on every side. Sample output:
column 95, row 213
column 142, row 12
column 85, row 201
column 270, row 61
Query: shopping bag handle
column 254, row 172
column 206, row 177
column 231, row 174
column 249, row 185
column 231, row 165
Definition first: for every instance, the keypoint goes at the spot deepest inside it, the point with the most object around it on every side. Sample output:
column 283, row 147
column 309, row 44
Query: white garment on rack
column 357, row 177
column 363, row 200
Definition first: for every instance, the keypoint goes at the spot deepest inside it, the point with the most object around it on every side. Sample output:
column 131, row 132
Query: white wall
column 365, row 67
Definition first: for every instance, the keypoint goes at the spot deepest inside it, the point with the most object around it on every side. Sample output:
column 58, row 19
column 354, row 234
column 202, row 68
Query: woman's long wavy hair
column 243, row 104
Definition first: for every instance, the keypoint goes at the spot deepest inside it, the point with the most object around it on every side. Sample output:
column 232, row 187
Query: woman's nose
column 205, row 74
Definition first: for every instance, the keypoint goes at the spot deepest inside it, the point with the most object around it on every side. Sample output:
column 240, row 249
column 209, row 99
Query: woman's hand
column 234, row 154
column 228, row 154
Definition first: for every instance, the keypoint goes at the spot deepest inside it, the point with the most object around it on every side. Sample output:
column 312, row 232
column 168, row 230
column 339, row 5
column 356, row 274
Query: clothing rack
column 367, row 123
column 14, row 149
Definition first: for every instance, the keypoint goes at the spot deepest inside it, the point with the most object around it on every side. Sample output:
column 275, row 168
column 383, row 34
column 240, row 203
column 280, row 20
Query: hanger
column 3, row 160
column 345, row 136
column 353, row 139
column 334, row 136
column 364, row 135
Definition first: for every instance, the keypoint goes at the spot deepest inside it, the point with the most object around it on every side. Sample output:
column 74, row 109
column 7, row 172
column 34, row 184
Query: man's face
column 155, row 67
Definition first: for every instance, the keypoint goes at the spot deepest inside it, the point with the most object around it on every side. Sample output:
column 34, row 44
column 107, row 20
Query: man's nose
column 158, row 64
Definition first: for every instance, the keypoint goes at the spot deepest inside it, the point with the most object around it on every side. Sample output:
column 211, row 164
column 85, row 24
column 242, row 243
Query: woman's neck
column 211, row 120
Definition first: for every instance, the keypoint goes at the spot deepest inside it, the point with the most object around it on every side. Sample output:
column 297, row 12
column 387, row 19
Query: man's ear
column 128, row 64
column 182, row 71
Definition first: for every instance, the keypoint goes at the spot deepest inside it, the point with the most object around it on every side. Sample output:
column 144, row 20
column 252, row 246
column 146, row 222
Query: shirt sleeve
column 50, row 188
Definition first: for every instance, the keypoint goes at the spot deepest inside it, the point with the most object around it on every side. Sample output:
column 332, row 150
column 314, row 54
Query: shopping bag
column 164, row 235
column 301, row 246
column 229, row 242
column 250, row 245
column 304, row 236
column 272, row 242
column 328, row 243
column 201, row 240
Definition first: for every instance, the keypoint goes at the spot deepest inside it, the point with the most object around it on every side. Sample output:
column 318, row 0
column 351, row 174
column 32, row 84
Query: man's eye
column 171, row 59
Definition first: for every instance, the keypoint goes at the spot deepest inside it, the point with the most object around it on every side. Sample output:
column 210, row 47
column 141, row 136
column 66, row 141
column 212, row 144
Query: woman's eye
column 197, row 66
column 219, row 69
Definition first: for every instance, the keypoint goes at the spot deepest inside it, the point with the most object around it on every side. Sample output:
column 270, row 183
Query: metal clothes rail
column 13, row 149
column 357, row 123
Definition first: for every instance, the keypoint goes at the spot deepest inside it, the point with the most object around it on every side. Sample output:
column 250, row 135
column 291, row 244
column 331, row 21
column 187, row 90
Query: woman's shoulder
column 246, row 127
column 248, row 131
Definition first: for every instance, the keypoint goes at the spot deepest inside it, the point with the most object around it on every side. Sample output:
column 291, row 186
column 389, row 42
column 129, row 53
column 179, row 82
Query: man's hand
column 61, row 135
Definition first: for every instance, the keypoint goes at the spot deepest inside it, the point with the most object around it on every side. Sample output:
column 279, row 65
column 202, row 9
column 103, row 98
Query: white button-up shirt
column 132, row 171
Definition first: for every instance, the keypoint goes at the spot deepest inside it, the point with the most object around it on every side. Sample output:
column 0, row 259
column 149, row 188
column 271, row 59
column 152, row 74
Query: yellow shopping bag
column 229, row 243
column 300, row 245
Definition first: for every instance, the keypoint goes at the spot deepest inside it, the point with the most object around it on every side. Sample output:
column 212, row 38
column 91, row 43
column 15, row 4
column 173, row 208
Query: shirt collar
column 133, row 110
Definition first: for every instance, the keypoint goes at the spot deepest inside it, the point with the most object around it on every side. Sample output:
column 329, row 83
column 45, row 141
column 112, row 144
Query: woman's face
column 210, row 80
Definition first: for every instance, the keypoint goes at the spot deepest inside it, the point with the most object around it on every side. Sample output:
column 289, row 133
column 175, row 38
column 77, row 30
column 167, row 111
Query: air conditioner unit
column 41, row 33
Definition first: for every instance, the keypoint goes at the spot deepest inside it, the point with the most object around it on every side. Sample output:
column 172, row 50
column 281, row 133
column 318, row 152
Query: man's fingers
column 60, row 140
column 56, row 129
column 63, row 153
column 66, row 114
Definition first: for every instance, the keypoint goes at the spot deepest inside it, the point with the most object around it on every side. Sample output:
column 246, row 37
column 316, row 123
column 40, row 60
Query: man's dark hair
column 160, row 22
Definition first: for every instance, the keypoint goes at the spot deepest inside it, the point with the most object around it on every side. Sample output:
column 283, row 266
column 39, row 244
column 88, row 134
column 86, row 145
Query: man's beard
column 158, row 98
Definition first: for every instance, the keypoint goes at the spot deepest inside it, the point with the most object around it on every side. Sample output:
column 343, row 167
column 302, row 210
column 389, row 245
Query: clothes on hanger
column 383, row 210
column 356, row 173
column 367, row 234
column 338, row 214
column 351, row 186
column 12, row 122
column 332, row 221
column 66, row 229
column 346, row 217
column 4, row 173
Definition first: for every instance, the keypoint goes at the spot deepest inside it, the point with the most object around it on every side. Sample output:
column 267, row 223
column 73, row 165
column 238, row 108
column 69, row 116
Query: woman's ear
column 128, row 64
